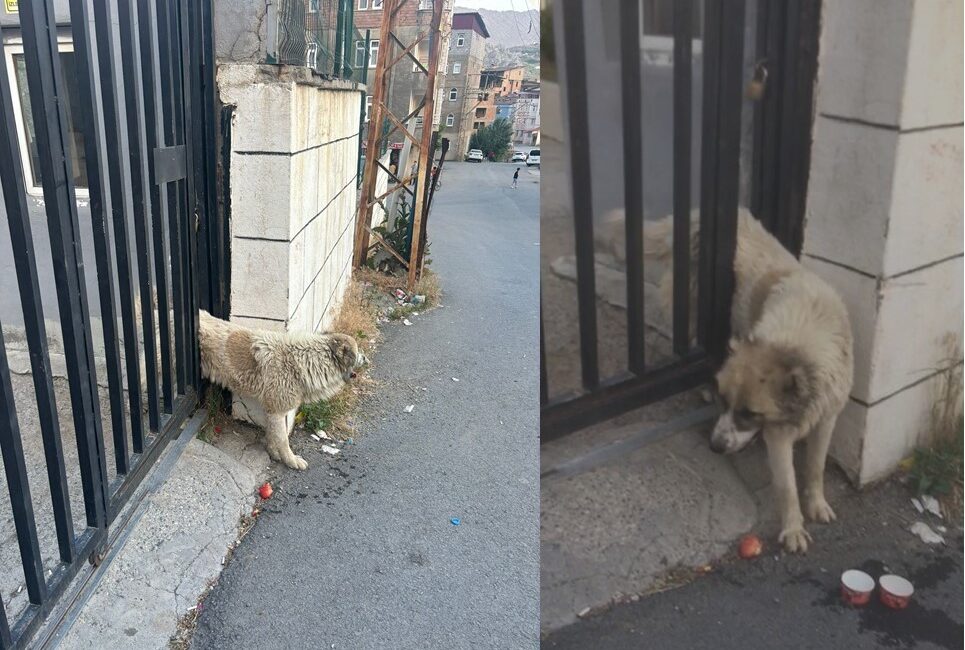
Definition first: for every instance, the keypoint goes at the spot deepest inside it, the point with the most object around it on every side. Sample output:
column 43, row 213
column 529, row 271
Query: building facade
column 464, row 105
column 408, row 82
column 526, row 115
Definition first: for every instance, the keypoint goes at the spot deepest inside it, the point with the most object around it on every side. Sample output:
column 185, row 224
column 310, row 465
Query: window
column 418, row 122
column 477, row 125
column 453, row 93
column 313, row 6
column 368, row 106
column 481, row 111
column 311, row 55
column 460, row 40
column 369, row 4
column 23, row 116
column 425, row 4
column 360, row 53
column 456, row 67
column 450, row 119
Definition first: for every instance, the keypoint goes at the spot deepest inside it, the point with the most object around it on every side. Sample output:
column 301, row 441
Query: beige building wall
column 884, row 213
column 294, row 162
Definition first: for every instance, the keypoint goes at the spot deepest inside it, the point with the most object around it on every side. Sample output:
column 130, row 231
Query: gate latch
column 758, row 83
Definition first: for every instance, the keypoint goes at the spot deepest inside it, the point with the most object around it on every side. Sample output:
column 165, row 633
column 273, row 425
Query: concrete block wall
column 294, row 165
column 884, row 221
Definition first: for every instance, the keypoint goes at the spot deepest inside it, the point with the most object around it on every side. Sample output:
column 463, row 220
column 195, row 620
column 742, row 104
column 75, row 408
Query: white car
column 533, row 158
column 474, row 155
column 519, row 156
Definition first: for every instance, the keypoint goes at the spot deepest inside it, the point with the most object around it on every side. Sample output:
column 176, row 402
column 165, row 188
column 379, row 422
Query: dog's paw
column 296, row 462
column 819, row 510
column 795, row 540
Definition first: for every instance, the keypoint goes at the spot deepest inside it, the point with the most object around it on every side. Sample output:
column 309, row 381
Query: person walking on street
column 515, row 178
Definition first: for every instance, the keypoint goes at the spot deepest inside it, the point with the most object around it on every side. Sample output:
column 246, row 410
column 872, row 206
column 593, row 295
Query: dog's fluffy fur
column 789, row 369
column 280, row 370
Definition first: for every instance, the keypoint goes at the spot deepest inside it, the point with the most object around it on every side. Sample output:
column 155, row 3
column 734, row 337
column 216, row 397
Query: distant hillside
column 510, row 28
column 527, row 56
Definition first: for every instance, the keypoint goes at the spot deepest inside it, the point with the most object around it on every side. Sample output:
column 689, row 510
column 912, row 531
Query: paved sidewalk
column 359, row 551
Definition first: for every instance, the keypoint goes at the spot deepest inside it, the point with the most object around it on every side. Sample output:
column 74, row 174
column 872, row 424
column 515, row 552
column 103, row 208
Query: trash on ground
column 315, row 438
column 330, row 450
column 265, row 491
column 399, row 294
column 895, row 591
column 583, row 612
column 926, row 534
column 455, row 379
column 350, row 441
column 321, row 434
column 406, row 321
column 856, row 587
column 409, row 408
column 455, row 521
column 418, row 299
column 750, row 546
column 920, row 508
column 706, row 568
column 931, row 505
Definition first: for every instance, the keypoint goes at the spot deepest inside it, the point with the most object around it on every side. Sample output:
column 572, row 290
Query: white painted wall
column 884, row 212
column 294, row 162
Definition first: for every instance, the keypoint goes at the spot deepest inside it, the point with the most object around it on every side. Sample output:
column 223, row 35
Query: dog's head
column 760, row 385
column 347, row 354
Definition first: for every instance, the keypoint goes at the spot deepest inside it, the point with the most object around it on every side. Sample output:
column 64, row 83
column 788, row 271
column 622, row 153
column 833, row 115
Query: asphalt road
column 792, row 602
column 360, row 552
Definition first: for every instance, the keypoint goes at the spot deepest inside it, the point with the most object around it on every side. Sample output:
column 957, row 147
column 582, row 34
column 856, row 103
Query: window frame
column 460, row 40
column 450, row 119
column 11, row 48
column 457, row 67
column 453, row 91
column 374, row 43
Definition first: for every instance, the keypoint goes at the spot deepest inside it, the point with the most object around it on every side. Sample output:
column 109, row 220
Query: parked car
column 533, row 158
column 519, row 156
column 474, row 155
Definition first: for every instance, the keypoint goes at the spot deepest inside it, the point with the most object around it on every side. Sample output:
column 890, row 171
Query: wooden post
column 425, row 173
column 364, row 212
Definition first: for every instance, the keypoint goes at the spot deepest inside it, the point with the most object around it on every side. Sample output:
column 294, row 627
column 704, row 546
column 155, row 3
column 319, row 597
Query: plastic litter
column 330, row 450
column 926, row 534
column 265, row 491
column 931, row 505
column 406, row 321
column 920, row 508
column 409, row 408
column 315, row 438
column 418, row 299
column 455, row 379
column 455, row 521
column 321, row 434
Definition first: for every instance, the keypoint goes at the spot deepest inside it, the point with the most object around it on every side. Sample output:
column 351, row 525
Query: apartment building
column 465, row 105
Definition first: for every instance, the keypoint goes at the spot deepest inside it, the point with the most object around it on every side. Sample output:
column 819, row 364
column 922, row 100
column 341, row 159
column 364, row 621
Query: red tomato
column 750, row 546
column 265, row 491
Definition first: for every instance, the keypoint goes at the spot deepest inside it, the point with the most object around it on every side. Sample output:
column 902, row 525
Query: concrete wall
column 294, row 162
column 884, row 212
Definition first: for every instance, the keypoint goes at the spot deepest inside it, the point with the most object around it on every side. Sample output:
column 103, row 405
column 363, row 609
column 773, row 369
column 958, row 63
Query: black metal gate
column 111, row 104
column 786, row 37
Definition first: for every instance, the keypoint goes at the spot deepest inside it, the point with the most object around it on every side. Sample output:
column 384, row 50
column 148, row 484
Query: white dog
column 281, row 371
column 789, row 369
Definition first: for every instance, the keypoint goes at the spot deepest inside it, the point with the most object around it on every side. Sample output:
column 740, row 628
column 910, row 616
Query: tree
column 493, row 140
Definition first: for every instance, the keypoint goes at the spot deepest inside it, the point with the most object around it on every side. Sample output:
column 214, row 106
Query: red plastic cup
column 895, row 591
column 856, row 587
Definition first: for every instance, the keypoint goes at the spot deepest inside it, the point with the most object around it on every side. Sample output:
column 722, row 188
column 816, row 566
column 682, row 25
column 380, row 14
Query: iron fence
column 83, row 438
column 321, row 35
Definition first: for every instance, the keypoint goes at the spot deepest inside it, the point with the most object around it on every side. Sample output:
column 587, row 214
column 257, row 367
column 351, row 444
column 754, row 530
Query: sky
column 498, row 5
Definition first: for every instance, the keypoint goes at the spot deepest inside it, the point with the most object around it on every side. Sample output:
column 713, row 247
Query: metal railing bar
column 116, row 156
column 579, row 135
column 682, row 109
column 44, row 81
column 192, row 107
column 633, row 179
column 21, row 238
column 80, row 20
column 141, row 199
column 147, row 21
column 15, row 469
column 173, row 208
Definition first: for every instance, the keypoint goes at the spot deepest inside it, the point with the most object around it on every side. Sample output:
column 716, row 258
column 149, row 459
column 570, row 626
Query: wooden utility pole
column 392, row 51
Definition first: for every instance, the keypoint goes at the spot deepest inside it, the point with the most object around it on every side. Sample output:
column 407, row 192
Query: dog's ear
column 343, row 352
column 797, row 384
